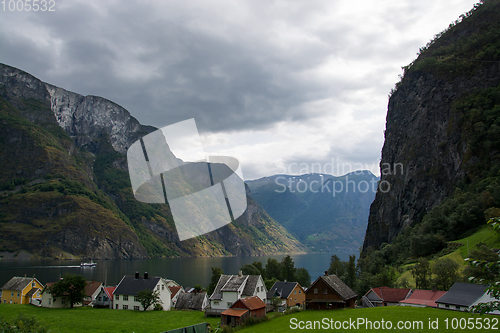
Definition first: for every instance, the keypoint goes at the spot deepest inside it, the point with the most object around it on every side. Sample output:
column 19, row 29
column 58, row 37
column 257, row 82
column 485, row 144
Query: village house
column 92, row 289
column 385, row 296
column 329, row 292
column 191, row 301
column 22, row 290
column 231, row 288
column 463, row 296
column 423, row 298
column 104, row 298
column 125, row 294
column 290, row 293
column 175, row 291
column 242, row 309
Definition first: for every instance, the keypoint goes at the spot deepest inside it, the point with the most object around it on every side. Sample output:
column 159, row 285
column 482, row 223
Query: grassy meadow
column 106, row 320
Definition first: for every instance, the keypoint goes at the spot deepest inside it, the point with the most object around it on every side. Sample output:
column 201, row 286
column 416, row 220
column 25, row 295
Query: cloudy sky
column 284, row 86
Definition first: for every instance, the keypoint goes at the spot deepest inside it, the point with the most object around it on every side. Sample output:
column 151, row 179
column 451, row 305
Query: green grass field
column 412, row 315
column 106, row 320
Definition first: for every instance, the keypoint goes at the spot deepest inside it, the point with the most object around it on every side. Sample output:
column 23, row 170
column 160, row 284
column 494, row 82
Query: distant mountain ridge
column 324, row 212
column 65, row 190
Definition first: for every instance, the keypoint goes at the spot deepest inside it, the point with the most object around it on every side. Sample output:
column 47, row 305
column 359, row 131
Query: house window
column 33, row 284
column 63, row 301
column 125, row 307
column 162, row 287
column 229, row 304
column 116, row 306
column 104, row 298
column 216, row 302
column 50, row 301
column 295, row 292
column 125, row 297
column 136, row 307
column 5, row 301
column 12, row 294
column 117, row 297
column 18, row 294
column 136, row 298
column 300, row 292
column 315, row 290
column 158, row 288
column 99, row 298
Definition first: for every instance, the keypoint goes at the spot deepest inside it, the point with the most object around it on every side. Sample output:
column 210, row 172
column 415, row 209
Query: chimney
column 136, row 275
column 326, row 273
column 240, row 273
column 145, row 275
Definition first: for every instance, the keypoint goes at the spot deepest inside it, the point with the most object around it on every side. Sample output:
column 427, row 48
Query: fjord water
column 185, row 271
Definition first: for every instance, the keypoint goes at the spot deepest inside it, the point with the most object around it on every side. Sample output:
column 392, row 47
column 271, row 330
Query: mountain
column 324, row 212
column 442, row 138
column 65, row 190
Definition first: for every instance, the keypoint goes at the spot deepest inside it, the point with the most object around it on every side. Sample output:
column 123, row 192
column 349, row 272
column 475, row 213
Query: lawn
column 107, row 320
column 287, row 323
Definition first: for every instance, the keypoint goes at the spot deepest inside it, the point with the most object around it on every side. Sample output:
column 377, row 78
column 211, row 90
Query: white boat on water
column 88, row 264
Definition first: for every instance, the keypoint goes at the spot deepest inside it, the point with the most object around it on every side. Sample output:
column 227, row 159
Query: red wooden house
column 242, row 309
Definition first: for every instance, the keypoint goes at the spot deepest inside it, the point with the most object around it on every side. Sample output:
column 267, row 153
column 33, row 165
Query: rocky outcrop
column 424, row 152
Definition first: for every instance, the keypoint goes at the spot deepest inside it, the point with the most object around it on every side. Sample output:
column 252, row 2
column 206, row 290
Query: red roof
column 109, row 291
column 251, row 303
column 424, row 297
column 393, row 295
column 234, row 312
column 174, row 290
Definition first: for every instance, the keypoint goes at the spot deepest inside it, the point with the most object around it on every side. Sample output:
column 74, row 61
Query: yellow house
column 22, row 290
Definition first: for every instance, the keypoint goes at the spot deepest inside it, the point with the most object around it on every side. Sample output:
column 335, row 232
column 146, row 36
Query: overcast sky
column 284, row 86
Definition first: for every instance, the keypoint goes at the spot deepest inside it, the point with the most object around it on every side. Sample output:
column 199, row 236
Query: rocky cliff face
column 67, row 192
column 425, row 153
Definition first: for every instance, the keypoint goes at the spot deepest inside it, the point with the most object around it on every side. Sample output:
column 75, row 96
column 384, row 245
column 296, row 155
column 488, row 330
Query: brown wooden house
column 329, row 292
column 242, row 309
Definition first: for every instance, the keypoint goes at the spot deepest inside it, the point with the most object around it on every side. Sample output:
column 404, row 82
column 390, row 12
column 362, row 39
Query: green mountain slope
column 324, row 212
column 443, row 125
column 65, row 189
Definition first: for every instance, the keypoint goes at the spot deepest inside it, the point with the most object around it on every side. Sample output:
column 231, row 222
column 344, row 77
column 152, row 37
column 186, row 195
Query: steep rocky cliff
column 432, row 131
column 65, row 189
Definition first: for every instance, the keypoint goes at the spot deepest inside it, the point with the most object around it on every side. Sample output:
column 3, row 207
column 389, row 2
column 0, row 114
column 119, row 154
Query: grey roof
column 129, row 285
column 17, row 283
column 281, row 289
column 337, row 285
column 463, row 294
column 234, row 283
column 193, row 301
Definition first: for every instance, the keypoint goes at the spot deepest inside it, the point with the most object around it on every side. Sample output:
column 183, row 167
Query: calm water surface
column 185, row 271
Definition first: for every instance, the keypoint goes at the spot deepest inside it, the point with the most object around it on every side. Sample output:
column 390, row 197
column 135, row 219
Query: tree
column 273, row 269
column 492, row 267
column 446, row 273
column 337, row 266
column 262, row 271
column 71, row 286
column 250, row 269
column 287, row 269
column 216, row 273
column 303, row 277
column 351, row 271
column 421, row 272
column 148, row 298
column 198, row 287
